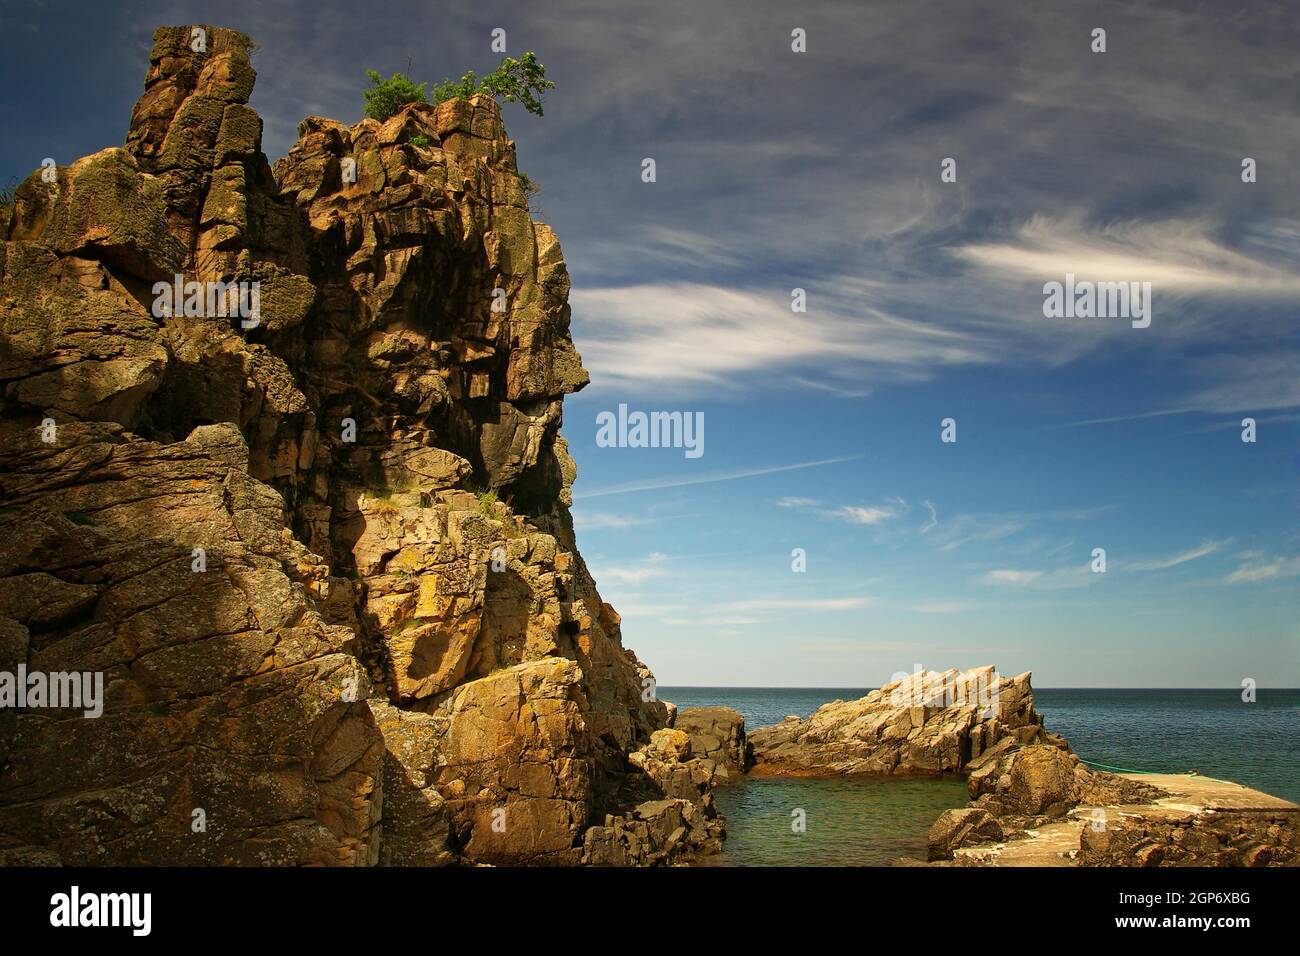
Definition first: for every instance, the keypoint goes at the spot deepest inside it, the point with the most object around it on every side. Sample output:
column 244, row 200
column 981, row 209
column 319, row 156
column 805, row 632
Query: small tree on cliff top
column 520, row 81
column 386, row 96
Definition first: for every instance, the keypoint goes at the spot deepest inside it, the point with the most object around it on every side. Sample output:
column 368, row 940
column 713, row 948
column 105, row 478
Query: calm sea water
column 864, row 823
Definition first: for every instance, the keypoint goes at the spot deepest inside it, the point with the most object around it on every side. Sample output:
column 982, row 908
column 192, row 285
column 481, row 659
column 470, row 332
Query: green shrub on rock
column 520, row 81
column 386, row 96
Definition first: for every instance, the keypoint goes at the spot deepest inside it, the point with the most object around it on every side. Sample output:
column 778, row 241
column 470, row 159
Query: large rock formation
column 317, row 538
column 929, row 722
column 717, row 734
column 1016, row 789
column 1042, row 806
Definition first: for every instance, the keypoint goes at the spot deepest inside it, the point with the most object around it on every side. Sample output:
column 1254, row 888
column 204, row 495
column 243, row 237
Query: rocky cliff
column 308, row 513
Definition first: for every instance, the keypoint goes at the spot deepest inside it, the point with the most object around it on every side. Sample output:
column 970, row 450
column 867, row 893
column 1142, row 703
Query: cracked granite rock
column 324, row 558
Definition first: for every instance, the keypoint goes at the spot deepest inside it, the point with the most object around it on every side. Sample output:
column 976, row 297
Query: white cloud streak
column 1207, row 548
column 678, row 481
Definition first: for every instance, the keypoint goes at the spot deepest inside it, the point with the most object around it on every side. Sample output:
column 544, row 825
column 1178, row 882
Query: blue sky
column 821, row 171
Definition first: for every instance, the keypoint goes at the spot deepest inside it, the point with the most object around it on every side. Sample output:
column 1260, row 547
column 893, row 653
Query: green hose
column 1093, row 763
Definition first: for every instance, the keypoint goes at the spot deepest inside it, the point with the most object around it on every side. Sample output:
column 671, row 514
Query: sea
column 838, row 822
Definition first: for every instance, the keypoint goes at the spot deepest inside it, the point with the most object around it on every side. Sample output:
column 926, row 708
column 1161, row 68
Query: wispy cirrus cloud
column 794, row 501
column 632, row 573
column 1248, row 383
column 1230, row 385
column 1132, row 417
column 1037, row 580
column 606, row 521
column 852, row 514
column 933, row 521
column 939, row 607
column 965, row 529
column 961, row 530
column 1160, row 564
column 1180, row 256
column 1011, row 576
column 628, row 575
column 1257, row 569
column 682, row 481
column 859, row 514
column 690, row 334
column 797, row 604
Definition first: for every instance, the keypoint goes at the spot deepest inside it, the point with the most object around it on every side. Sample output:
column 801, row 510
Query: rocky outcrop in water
column 309, row 516
column 975, row 723
column 929, row 722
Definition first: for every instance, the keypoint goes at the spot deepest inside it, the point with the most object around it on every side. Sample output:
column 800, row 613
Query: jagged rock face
column 503, row 767
column 672, row 815
column 930, row 722
column 1016, row 787
column 225, row 691
column 717, row 734
column 1026, row 785
column 395, row 636
column 957, row 828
